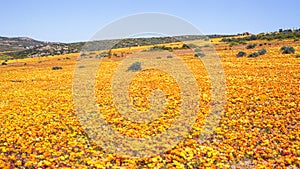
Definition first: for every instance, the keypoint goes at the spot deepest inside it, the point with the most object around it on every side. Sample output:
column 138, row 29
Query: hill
column 24, row 47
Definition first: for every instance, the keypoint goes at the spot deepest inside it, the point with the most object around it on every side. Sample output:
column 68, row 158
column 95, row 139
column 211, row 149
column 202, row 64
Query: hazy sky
column 74, row 20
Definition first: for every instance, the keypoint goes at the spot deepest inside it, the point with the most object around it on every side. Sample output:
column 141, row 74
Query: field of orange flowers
column 258, row 129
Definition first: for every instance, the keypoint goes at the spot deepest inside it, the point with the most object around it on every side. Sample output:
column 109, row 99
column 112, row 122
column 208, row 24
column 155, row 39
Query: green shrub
column 298, row 56
column 3, row 63
column 253, row 55
column 158, row 57
column 287, row 50
column 262, row 52
column 169, row 56
column 241, row 54
column 251, row 46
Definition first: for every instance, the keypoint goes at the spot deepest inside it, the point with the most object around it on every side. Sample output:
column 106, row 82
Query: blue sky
column 74, row 20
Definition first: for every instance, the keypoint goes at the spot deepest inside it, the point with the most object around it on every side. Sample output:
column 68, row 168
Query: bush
column 287, row 50
column 262, row 52
column 241, row 54
column 251, row 46
column 56, row 68
column 136, row 66
column 199, row 54
column 169, row 56
column 158, row 57
column 298, row 56
column 253, row 55
column 3, row 63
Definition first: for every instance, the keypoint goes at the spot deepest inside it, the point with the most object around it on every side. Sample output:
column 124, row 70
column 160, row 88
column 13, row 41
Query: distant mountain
column 18, row 43
column 22, row 47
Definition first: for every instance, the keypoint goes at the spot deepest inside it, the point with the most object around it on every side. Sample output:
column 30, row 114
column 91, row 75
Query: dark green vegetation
column 281, row 34
column 287, row 50
column 241, row 54
column 262, row 52
column 252, row 55
column 250, row 46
